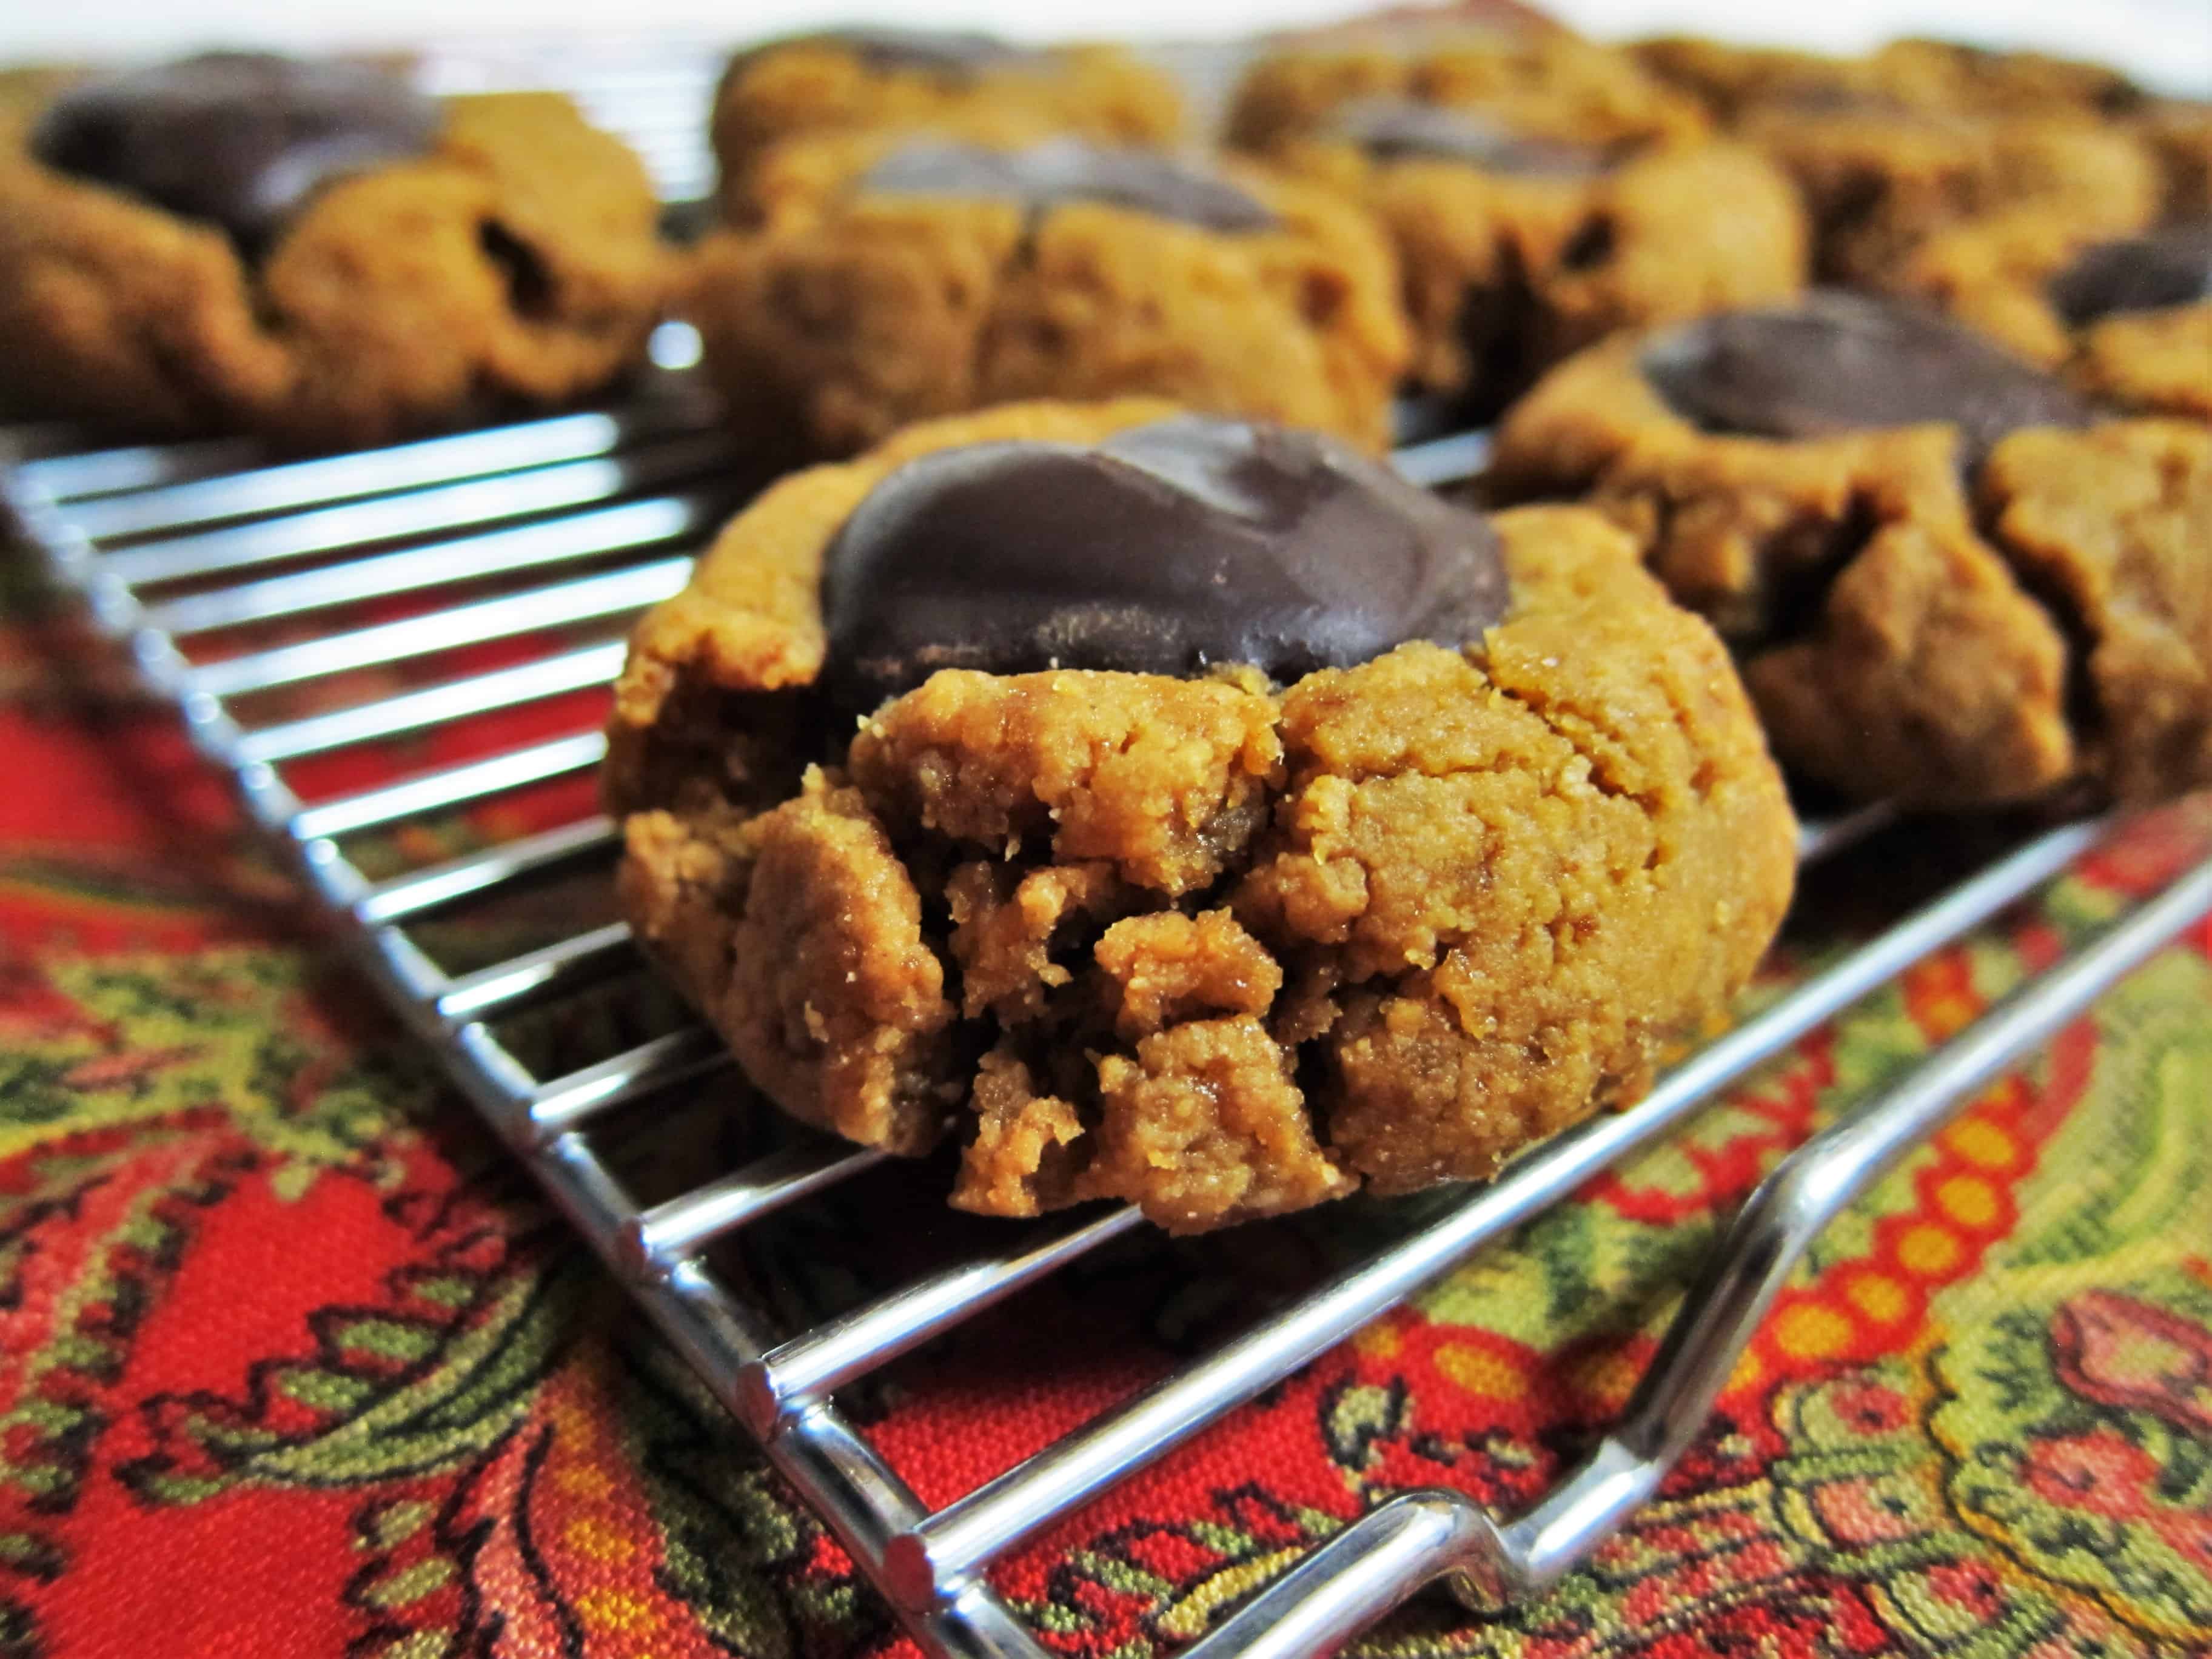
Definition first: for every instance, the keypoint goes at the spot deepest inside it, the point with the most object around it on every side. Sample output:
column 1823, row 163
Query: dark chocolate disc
column 1398, row 129
column 240, row 138
column 1062, row 170
column 2169, row 267
column 1843, row 362
column 1161, row 550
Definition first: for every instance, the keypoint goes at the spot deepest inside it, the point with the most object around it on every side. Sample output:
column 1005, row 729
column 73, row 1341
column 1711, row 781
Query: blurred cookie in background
column 1938, row 76
column 1524, row 69
column 1905, row 142
column 1539, row 191
column 1951, row 580
column 971, row 85
column 2128, row 320
column 914, row 275
column 1730, row 80
column 2178, row 132
column 1948, row 75
column 315, row 253
column 1879, row 176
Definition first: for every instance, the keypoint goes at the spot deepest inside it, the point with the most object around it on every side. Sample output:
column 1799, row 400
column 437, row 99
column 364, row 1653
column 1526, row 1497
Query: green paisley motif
column 2081, row 1441
column 737, row 1546
column 397, row 1395
column 155, row 1036
column 2146, row 1143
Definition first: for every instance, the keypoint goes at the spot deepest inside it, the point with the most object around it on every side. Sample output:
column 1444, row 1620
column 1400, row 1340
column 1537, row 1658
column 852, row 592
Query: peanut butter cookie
column 1540, row 192
column 907, row 276
column 1880, row 176
column 863, row 80
column 1903, row 144
column 314, row 252
column 1949, row 582
column 2129, row 321
column 1186, row 811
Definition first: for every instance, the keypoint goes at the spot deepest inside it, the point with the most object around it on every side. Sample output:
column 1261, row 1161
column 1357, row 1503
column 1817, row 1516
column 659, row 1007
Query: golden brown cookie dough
column 1730, row 80
column 1217, row 946
column 515, row 265
column 1948, row 616
column 2178, row 134
column 1536, row 84
column 1939, row 76
column 1879, row 178
column 2008, row 276
column 875, row 79
column 853, row 312
column 1504, row 275
column 2110, row 527
column 1921, row 136
column 1946, row 75
column 26, row 89
column 1540, row 193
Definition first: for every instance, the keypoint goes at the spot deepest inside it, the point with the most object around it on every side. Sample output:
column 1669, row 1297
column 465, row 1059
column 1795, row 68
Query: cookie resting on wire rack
column 1188, row 811
column 1954, row 580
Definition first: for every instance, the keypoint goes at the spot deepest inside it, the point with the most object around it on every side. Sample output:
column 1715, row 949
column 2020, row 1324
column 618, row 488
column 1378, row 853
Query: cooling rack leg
column 958, row 1539
column 1414, row 1538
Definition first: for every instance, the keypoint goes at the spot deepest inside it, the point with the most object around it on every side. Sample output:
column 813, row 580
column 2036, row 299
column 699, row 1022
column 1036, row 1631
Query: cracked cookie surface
column 1212, row 943
column 1948, row 580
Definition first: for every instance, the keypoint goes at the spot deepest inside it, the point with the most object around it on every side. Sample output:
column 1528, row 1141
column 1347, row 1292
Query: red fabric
column 291, row 1364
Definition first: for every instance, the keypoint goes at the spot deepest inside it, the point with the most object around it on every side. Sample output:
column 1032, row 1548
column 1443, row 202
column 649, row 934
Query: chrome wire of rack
column 587, row 519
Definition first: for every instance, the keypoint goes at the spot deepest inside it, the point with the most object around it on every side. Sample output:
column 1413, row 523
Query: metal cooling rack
column 580, row 522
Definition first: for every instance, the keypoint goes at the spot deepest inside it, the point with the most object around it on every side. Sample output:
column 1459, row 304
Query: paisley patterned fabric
column 291, row 1364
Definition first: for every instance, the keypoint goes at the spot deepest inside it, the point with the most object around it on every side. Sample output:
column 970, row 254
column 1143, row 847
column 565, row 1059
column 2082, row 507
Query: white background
column 2166, row 42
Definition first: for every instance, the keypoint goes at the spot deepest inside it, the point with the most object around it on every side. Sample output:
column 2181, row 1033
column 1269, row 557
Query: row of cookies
column 1954, row 580
column 1536, row 191
column 920, row 224
column 1165, row 807
column 2052, row 205
column 1962, row 565
column 1154, row 806
column 1171, row 808
column 923, row 224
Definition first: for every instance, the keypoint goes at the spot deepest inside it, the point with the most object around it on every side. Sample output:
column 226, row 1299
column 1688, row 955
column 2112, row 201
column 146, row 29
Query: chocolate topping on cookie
column 240, row 139
column 1063, row 170
column 2169, row 267
column 1396, row 129
column 1162, row 550
column 1841, row 362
